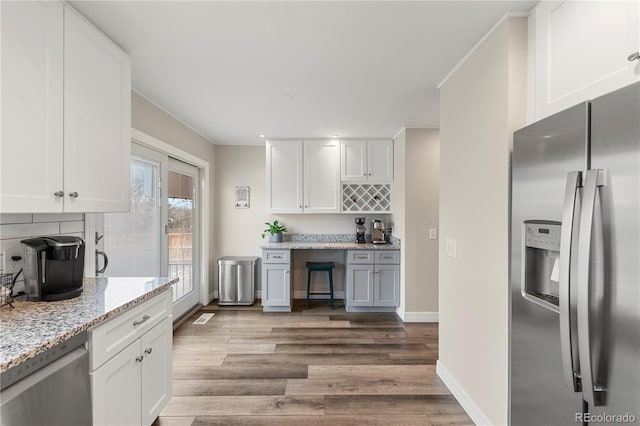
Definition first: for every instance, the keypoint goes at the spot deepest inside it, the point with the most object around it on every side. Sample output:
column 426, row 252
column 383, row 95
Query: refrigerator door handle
column 567, row 257
column 590, row 272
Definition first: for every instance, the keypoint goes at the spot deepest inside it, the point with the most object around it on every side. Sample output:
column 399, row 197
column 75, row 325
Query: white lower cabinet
column 134, row 385
column 374, row 285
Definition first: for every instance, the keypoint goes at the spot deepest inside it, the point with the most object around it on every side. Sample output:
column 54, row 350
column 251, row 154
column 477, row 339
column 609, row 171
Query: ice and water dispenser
column 540, row 262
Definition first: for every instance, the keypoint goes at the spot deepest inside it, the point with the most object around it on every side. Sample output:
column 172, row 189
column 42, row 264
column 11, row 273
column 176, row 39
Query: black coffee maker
column 360, row 230
column 53, row 267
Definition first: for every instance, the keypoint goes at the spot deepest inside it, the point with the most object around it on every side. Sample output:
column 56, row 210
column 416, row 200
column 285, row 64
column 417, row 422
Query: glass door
column 159, row 236
column 133, row 241
column 181, row 230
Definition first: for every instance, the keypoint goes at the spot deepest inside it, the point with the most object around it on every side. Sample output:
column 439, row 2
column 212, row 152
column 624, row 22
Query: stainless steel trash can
column 237, row 280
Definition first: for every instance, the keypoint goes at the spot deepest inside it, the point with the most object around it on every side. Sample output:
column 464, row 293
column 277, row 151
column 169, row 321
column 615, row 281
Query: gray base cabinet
column 372, row 280
column 276, row 281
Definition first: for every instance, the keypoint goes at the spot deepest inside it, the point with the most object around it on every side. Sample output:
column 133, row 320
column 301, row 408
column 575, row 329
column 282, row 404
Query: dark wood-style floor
column 308, row 367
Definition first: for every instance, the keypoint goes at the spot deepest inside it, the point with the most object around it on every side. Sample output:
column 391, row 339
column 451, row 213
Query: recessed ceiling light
column 262, row 136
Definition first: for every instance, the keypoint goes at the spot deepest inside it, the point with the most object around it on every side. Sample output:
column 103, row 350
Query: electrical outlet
column 433, row 233
column 451, row 247
column 12, row 266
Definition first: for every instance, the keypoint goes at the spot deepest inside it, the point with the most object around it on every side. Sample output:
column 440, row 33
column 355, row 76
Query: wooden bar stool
column 320, row 266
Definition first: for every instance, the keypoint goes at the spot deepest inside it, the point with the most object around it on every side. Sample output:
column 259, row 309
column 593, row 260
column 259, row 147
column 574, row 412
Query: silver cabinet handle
column 59, row 194
column 286, row 271
column 73, row 194
column 148, row 351
column 277, row 257
column 590, row 275
column 139, row 358
column 144, row 318
column 106, row 261
column 567, row 258
column 300, row 206
column 369, row 174
column 635, row 56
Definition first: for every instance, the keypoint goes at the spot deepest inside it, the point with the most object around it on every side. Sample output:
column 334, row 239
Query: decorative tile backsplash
column 366, row 197
column 16, row 227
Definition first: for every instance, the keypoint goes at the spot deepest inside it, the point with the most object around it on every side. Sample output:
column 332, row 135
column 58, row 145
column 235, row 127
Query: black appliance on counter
column 53, row 267
column 360, row 230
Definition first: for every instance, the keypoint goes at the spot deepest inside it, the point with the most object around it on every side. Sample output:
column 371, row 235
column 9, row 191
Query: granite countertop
column 32, row 327
column 337, row 245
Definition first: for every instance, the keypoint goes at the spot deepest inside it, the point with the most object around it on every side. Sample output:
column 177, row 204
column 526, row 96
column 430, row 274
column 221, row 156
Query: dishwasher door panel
column 58, row 394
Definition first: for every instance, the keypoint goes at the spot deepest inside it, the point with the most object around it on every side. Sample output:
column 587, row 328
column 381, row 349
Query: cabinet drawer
column 110, row 337
column 360, row 256
column 276, row 256
column 389, row 257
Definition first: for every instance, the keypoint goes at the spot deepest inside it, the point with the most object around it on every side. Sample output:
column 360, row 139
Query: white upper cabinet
column 366, row 161
column 97, row 120
column 303, row 176
column 284, row 176
column 66, row 116
column 579, row 50
column 321, row 176
column 32, row 76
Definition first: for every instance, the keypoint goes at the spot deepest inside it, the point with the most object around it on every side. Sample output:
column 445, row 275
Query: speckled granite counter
column 322, row 245
column 33, row 327
column 328, row 242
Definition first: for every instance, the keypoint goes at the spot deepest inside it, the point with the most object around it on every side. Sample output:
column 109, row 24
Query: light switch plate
column 451, row 247
column 433, row 233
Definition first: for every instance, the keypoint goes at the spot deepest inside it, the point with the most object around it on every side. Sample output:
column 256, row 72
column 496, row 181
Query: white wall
column 148, row 118
column 481, row 103
column 415, row 210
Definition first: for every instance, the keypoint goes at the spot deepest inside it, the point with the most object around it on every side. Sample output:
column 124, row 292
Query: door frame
column 203, row 211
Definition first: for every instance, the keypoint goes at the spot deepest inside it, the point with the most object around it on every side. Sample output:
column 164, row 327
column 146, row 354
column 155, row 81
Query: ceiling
column 234, row 70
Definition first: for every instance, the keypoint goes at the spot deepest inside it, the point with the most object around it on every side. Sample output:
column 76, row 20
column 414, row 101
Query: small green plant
column 274, row 228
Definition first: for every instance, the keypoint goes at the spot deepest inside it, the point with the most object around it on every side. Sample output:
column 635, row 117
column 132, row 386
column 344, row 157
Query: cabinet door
column 353, row 161
column 360, row 280
column 115, row 389
column 387, row 286
column 276, row 285
column 284, row 176
column 97, row 120
column 32, row 76
column 579, row 51
column 380, row 161
column 321, row 176
column 156, row 370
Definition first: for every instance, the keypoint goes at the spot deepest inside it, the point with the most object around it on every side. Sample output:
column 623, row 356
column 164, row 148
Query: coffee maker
column 360, row 230
column 53, row 267
column 377, row 232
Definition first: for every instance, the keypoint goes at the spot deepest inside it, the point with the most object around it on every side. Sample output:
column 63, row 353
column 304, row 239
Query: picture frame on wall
column 242, row 197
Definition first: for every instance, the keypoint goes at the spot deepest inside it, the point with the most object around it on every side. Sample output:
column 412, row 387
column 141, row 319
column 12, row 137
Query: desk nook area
column 365, row 275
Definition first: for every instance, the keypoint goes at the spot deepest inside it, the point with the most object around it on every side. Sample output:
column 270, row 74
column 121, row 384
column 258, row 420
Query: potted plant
column 275, row 230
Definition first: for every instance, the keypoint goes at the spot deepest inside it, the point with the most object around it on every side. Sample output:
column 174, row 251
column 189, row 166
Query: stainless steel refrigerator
column 575, row 265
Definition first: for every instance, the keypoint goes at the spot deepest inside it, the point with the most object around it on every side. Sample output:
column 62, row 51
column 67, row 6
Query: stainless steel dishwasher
column 237, row 280
column 52, row 388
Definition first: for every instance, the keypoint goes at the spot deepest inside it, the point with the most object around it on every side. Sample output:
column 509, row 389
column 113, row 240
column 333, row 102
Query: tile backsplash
column 16, row 227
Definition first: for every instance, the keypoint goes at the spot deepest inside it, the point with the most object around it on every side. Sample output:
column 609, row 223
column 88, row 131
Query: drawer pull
column 361, row 257
column 387, row 257
column 139, row 358
column 148, row 351
column 144, row 318
column 277, row 257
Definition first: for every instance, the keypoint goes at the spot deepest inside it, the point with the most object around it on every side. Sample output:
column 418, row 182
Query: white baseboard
column 418, row 316
column 465, row 400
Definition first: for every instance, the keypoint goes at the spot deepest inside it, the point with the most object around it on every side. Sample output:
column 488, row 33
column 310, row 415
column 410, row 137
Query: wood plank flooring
column 312, row 366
